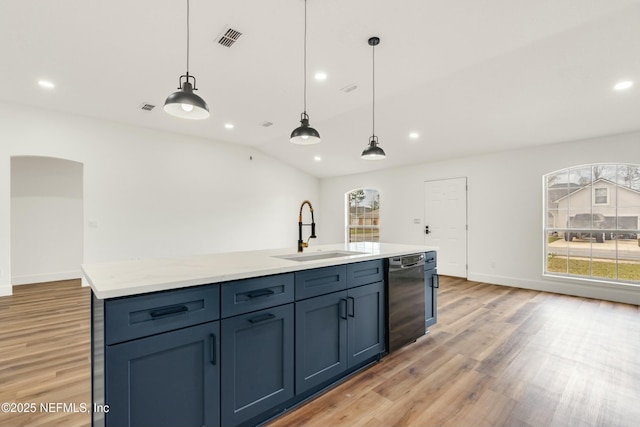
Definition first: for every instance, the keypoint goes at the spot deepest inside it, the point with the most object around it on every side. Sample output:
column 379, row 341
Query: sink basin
column 318, row 255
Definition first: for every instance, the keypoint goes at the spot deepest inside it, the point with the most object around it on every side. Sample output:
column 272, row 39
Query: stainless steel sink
column 318, row 255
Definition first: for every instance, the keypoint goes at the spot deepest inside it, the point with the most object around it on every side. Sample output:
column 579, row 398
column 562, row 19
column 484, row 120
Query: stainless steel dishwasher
column 406, row 298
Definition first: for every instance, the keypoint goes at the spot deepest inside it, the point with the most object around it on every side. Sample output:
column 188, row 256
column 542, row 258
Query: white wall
column 504, row 208
column 46, row 219
column 152, row 194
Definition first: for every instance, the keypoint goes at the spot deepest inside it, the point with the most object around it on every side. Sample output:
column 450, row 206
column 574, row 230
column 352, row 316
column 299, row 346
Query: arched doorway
column 46, row 219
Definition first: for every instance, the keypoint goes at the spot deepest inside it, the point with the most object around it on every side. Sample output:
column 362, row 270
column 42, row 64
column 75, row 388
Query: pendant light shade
column 184, row 103
column 305, row 134
column 373, row 150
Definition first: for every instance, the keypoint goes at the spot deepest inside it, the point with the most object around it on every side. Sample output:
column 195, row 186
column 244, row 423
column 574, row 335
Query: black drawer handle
column 431, row 260
column 351, row 307
column 260, row 293
column 262, row 318
column 168, row 311
column 212, row 339
column 343, row 308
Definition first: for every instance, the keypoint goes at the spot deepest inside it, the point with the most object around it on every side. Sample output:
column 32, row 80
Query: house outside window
column 592, row 223
column 363, row 215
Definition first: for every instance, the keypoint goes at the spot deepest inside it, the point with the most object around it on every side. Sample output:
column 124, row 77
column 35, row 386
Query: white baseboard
column 5, row 290
column 46, row 277
column 627, row 294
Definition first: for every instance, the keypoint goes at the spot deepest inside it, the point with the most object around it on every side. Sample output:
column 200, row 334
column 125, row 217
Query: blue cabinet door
column 169, row 379
column 366, row 317
column 431, row 283
column 257, row 360
column 321, row 339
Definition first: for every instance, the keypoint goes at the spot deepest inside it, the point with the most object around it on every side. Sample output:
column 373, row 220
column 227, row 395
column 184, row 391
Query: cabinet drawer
column 243, row 296
column 149, row 314
column 319, row 281
column 430, row 260
column 363, row 273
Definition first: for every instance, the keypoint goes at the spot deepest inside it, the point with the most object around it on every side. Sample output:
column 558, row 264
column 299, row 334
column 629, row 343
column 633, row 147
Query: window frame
column 610, row 229
column 370, row 229
column 595, row 197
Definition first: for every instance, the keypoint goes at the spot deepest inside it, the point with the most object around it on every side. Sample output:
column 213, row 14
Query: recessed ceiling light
column 317, row 158
column 623, row 85
column 46, row 84
column 321, row 76
column 414, row 135
column 228, row 125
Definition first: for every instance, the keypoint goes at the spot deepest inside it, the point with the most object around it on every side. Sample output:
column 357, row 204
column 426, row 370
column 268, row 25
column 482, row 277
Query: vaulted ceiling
column 468, row 76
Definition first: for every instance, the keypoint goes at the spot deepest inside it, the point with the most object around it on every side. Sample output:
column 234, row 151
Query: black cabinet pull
column 435, row 281
column 352, row 311
column 431, row 260
column 262, row 318
column 260, row 293
column 212, row 339
column 168, row 311
column 343, row 308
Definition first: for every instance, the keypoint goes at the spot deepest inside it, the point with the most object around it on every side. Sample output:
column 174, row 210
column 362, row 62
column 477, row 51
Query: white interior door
column 445, row 220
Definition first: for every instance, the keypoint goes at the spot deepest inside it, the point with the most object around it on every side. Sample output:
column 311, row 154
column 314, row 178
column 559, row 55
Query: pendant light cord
column 188, row 39
column 374, row 90
column 305, row 56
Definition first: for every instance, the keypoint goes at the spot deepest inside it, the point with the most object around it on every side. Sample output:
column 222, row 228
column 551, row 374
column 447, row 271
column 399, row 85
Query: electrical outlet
column 93, row 224
column 417, row 220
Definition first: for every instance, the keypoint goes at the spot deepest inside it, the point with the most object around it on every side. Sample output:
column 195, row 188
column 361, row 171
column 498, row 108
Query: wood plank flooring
column 498, row 356
column 45, row 353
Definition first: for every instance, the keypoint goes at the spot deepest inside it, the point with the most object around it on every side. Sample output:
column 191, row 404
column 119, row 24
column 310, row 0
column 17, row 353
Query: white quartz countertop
column 125, row 278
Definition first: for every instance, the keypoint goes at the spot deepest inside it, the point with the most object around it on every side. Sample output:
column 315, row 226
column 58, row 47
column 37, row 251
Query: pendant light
column 184, row 103
column 305, row 134
column 373, row 151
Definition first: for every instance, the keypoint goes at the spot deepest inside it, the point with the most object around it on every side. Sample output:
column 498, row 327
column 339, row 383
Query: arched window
column 363, row 215
column 591, row 223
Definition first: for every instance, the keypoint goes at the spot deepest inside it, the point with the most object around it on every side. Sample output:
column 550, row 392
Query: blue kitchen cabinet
column 257, row 356
column 235, row 353
column 170, row 379
column 365, row 323
column 156, row 358
column 340, row 330
column 321, row 339
column 431, row 283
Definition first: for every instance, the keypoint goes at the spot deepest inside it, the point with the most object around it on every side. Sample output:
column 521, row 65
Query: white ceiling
column 470, row 76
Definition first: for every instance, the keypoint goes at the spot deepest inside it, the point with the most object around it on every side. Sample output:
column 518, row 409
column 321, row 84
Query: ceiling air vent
column 147, row 107
column 228, row 37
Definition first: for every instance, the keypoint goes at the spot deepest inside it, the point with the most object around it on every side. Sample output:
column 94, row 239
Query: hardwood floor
column 45, row 353
column 498, row 356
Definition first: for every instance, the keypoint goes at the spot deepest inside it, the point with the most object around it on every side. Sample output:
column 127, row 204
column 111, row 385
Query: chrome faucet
column 302, row 244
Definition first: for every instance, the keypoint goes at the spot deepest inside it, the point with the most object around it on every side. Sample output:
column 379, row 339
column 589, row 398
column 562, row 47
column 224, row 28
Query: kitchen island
column 233, row 338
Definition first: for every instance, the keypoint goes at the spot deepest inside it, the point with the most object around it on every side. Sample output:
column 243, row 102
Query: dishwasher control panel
column 406, row 260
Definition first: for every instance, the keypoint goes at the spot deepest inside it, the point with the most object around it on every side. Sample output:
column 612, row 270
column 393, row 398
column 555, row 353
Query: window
column 601, row 196
column 363, row 216
column 591, row 223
